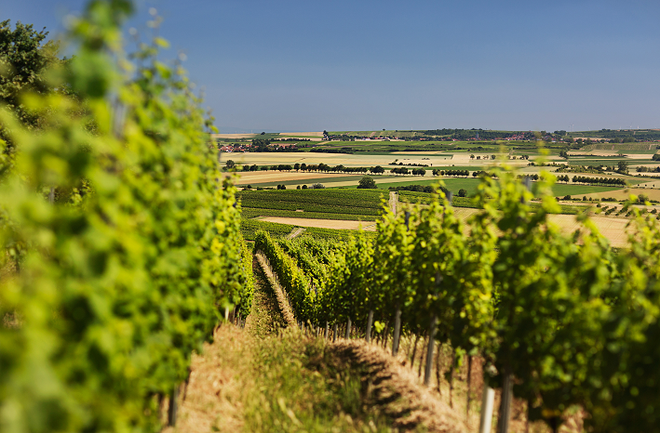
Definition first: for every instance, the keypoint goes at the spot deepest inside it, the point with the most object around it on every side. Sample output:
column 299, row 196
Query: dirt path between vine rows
column 394, row 200
column 295, row 233
column 282, row 301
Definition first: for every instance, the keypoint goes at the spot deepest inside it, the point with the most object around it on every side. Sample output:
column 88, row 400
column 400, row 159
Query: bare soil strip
column 295, row 232
column 394, row 200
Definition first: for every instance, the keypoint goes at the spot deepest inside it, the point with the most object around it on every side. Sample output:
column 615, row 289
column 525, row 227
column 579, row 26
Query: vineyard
column 126, row 254
column 559, row 321
column 314, row 203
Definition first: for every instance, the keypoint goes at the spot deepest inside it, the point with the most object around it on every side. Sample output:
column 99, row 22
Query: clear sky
column 309, row 65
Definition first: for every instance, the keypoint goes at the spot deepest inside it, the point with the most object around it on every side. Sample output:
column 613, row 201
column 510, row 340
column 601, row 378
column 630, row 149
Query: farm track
column 394, row 200
column 295, row 233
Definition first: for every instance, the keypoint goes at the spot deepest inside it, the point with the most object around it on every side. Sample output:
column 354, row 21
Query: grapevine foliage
column 121, row 241
column 573, row 320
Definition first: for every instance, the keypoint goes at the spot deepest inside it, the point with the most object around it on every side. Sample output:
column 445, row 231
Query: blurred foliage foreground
column 121, row 246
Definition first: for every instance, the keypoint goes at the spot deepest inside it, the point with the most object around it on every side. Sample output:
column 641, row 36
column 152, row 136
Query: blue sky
column 294, row 65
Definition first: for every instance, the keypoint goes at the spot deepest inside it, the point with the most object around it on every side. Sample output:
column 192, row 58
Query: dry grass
column 213, row 399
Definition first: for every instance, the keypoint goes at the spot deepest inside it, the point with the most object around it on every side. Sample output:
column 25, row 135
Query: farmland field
column 344, row 203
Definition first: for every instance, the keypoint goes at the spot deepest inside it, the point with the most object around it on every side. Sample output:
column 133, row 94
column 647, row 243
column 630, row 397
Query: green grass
column 453, row 184
column 560, row 189
column 301, row 385
column 338, row 235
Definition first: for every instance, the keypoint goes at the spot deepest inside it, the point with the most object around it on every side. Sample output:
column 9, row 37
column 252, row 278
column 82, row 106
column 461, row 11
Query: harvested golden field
column 284, row 176
column 232, row 136
column 613, row 228
column 302, row 134
column 623, row 194
column 325, row 224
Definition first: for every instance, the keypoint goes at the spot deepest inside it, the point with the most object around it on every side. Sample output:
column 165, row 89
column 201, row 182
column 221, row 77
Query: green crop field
column 261, row 212
column 560, row 189
column 350, row 203
column 249, row 228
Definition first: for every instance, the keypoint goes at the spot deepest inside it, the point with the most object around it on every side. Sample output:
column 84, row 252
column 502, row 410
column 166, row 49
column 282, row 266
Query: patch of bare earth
column 321, row 223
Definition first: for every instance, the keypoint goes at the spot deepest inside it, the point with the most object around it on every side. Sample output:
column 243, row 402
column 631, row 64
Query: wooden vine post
column 505, row 404
column 396, row 337
column 487, row 409
column 172, row 410
column 370, row 324
column 429, row 351
column 397, row 331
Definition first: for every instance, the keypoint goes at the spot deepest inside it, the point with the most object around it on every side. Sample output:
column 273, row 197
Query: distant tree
column 24, row 63
column 492, row 157
column 622, row 167
column 377, row 170
column 304, row 187
column 296, row 166
column 462, row 193
column 367, row 182
column 656, row 157
column 472, row 156
column 563, row 154
column 230, row 164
